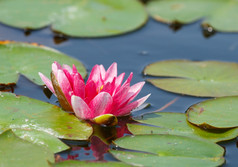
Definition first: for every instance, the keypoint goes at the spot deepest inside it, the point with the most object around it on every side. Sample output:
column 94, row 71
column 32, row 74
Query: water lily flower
column 102, row 94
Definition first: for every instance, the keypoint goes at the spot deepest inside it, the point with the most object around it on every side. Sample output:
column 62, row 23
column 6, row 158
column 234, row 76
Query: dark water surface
column 132, row 52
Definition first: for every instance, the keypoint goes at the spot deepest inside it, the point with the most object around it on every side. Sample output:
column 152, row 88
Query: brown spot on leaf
column 70, row 135
column 177, row 6
column 201, row 110
column 15, row 110
column 104, row 18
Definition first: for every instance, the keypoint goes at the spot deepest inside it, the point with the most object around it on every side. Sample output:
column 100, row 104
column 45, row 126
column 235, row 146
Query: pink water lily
column 103, row 93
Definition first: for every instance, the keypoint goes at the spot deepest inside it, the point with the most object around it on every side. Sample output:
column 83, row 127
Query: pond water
column 132, row 52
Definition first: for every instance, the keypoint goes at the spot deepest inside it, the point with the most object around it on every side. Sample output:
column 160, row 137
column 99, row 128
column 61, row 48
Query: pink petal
column 55, row 67
column 121, row 94
column 102, row 71
column 120, row 79
column 80, row 108
column 95, row 74
column 128, row 80
column 90, row 91
column 70, row 78
column 68, row 68
column 74, row 69
column 111, row 73
column 65, row 85
column 109, row 87
column 101, row 104
column 127, row 109
column 132, row 93
column 79, row 87
column 118, row 83
column 47, row 82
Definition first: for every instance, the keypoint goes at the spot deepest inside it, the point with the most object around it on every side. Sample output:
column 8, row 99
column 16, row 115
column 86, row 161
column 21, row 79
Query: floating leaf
column 197, row 78
column 17, row 152
column 79, row 18
column 72, row 163
column 216, row 113
column 29, row 59
column 41, row 138
column 176, row 124
column 219, row 14
column 168, row 150
column 19, row 112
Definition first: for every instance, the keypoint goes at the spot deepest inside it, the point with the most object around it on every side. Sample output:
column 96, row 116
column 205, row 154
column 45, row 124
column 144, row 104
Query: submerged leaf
column 19, row 112
column 17, row 152
column 168, row 150
column 79, row 18
column 176, row 124
column 215, row 113
column 29, row 59
column 220, row 14
column 196, row 78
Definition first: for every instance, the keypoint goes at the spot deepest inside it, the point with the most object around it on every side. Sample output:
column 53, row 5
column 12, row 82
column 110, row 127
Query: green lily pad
column 29, row 59
column 78, row 18
column 176, row 124
column 41, row 138
column 216, row 113
column 196, row 78
column 220, row 14
column 168, row 150
column 19, row 112
column 17, row 152
column 72, row 163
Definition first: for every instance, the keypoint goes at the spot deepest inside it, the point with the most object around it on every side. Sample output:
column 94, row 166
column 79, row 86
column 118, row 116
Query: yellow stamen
column 99, row 89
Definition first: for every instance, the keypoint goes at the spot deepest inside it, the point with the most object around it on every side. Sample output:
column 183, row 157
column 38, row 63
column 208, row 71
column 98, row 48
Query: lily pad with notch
column 195, row 78
column 215, row 113
column 220, row 14
column 176, row 124
column 77, row 18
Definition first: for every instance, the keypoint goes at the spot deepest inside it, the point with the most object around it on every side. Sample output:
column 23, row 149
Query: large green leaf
column 80, row 18
column 17, row 152
column 72, row 163
column 169, row 150
column 41, row 138
column 197, row 78
column 222, row 15
column 176, row 124
column 19, row 112
column 216, row 113
column 29, row 59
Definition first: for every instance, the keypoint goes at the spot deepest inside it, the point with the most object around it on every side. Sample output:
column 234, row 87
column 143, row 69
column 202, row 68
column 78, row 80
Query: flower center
column 99, row 89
